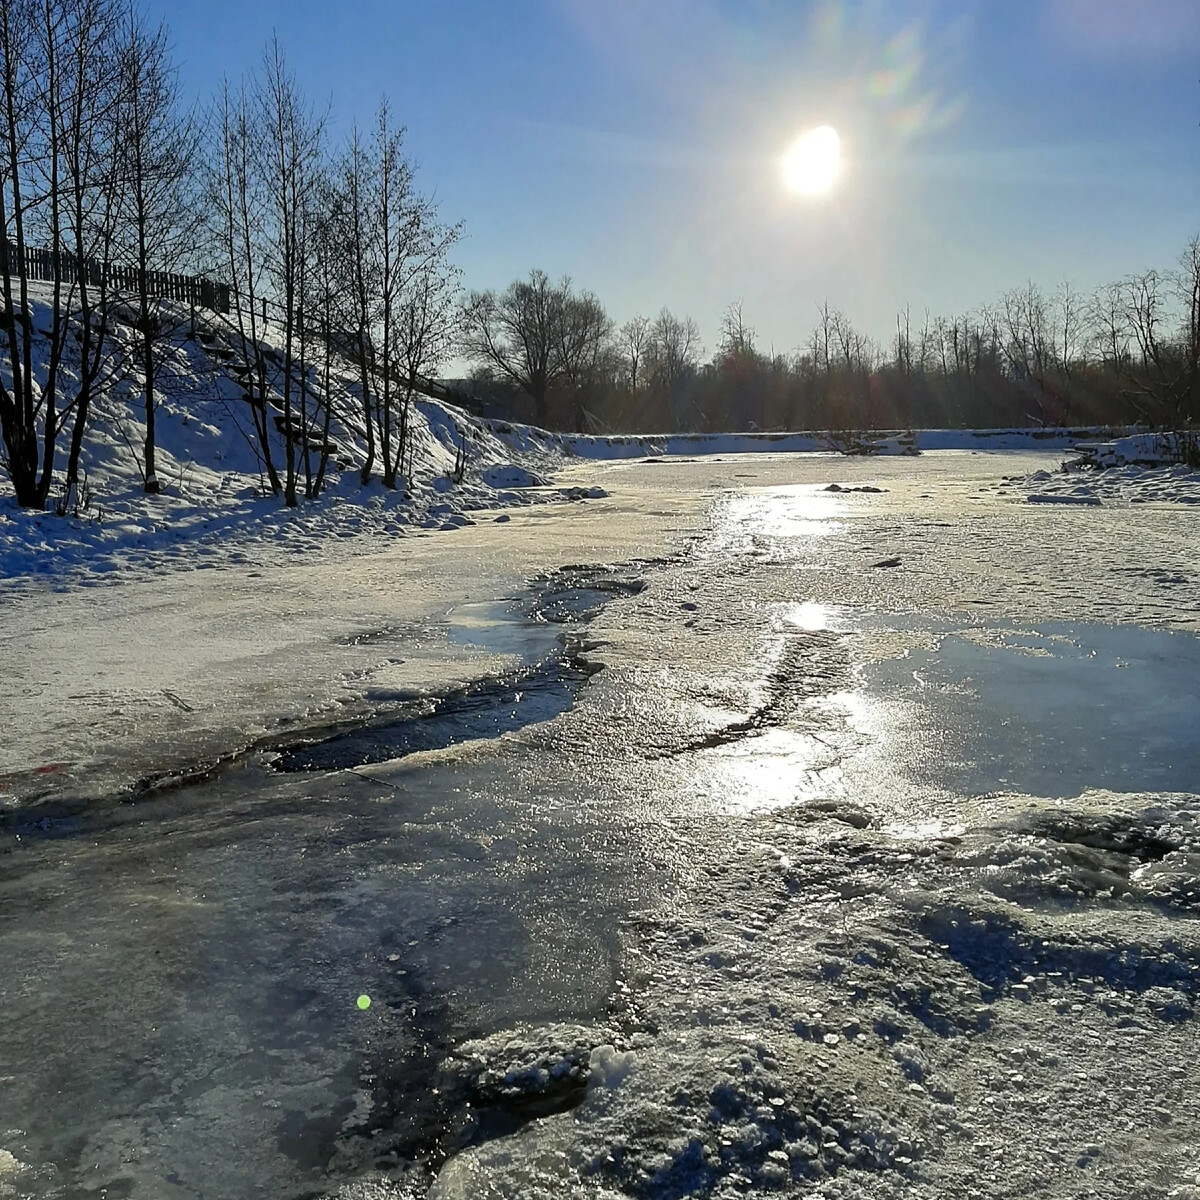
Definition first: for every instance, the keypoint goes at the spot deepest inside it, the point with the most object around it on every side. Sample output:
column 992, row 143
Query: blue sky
column 635, row 144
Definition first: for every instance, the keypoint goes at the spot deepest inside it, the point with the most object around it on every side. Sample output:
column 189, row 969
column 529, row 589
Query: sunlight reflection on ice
column 808, row 616
column 774, row 769
column 783, row 513
column 936, row 724
column 797, row 511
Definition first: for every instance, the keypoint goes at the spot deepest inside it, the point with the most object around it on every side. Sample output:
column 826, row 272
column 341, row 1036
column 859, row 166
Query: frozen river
column 727, row 836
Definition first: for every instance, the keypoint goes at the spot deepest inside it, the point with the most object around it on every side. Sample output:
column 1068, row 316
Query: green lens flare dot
column 364, row 1002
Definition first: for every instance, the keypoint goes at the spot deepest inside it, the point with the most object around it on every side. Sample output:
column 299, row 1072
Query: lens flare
column 812, row 164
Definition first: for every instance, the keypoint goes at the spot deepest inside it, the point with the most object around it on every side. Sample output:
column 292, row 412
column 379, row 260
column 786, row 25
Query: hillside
column 214, row 491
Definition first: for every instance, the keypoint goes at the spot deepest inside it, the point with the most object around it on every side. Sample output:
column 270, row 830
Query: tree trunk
column 151, row 481
column 368, row 421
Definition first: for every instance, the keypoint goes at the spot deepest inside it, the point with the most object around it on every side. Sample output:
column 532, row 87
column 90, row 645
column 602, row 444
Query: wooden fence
column 51, row 265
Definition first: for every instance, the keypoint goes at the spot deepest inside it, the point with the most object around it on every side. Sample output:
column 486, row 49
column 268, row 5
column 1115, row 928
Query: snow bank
column 510, row 475
column 1141, row 468
column 885, row 442
column 215, row 505
column 1118, row 485
column 1139, row 449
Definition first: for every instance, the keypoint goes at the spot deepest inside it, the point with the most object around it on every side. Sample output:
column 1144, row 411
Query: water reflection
column 1048, row 711
column 936, row 721
column 501, row 627
column 755, row 520
column 776, row 768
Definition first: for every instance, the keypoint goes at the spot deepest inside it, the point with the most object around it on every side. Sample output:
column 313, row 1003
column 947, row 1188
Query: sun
column 812, row 164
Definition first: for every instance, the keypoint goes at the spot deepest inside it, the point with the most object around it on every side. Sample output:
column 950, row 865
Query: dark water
column 485, row 709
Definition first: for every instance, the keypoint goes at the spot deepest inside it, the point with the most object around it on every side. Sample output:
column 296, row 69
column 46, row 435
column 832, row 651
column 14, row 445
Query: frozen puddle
column 1047, row 710
column 928, row 724
column 552, row 670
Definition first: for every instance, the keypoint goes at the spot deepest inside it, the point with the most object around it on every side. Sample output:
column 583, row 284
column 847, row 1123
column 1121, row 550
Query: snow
column 509, row 475
column 608, row 1067
column 1115, row 485
column 870, row 444
column 12, row 1172
column 835, row 881
column 1139, row 449
column 213, row 510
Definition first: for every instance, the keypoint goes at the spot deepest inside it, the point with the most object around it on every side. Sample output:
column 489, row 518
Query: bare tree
column 583, row 337
column 89, row 139
column 539, row 336
column 856, row 352
column 1070, row 313
column 306, row 255
column 737, row 338
column 902, row 343
column 1032, row 333
column 672, row 362
column 358, row 282
column 427, row 315
column 515, row 334
column 19, row 404
column 1148, row 328
column 397, row 222
column 324, row 224
column 291, row 143
column 1186, row 279
column 633, row 338
column 238, row 204
column 821, row 341
column 737, row 387
column 673, row 351
column 61, row 104
column 1109, row 328
column 926, row 345
column 157, row 155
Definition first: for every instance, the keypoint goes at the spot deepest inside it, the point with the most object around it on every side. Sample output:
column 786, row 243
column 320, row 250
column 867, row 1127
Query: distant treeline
column 1129, row 353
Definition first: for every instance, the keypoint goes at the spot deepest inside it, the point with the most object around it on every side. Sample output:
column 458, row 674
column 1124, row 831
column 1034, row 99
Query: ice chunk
column 609, row 1066
column 1063, row 498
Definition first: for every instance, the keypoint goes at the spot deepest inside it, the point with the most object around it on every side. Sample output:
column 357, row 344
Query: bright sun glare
column 812, row 164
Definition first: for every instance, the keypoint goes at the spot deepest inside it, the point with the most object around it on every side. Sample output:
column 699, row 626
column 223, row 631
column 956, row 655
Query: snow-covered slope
column 214, row 489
